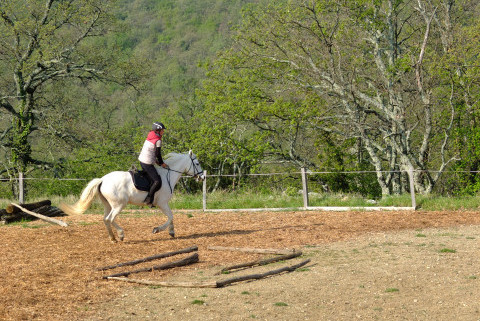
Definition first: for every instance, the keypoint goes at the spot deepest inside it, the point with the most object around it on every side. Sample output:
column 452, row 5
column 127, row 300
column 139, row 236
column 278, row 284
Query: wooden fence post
column 204, row 190
column 20, row 188
column 412, row 188
column 305, row 188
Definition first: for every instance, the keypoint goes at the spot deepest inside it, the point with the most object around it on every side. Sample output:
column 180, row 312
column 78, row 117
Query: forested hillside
column 379, row 86
column 149, row 56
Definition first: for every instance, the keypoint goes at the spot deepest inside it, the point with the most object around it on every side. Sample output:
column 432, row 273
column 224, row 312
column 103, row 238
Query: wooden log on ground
column 186, row 261
column 53, row 211
column 179, row 284
column 261, row 262
column 13, row 208
column 212, row 284
column 150, row 258
column 3, row 216
column 252, row 250
column 18, row 215
column 261, row 275
column 42, row 209
column 9, row 218
column 40, row 216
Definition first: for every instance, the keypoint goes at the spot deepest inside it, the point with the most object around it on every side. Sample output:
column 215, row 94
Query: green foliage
column 52, row 44
column 253, row 108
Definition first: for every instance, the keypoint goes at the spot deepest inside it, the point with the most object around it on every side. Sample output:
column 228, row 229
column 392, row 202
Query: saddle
column 140, row 179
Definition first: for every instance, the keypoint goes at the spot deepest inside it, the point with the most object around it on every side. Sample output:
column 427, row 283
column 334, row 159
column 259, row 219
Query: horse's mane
column 172, row 158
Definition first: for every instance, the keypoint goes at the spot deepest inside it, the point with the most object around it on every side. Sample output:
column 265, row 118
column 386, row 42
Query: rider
column 152, row 154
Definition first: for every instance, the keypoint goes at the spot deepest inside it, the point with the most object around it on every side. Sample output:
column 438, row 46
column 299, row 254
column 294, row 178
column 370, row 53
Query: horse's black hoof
column 172, row 234
column 155, row 230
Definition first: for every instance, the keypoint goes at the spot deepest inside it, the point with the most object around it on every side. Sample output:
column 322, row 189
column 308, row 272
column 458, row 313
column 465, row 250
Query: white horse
column 116, row 190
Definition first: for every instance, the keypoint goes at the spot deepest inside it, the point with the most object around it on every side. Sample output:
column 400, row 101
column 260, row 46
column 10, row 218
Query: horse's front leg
column 168, row 212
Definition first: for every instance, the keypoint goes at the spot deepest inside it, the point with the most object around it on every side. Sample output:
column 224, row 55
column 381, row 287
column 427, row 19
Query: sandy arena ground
column 364, row 265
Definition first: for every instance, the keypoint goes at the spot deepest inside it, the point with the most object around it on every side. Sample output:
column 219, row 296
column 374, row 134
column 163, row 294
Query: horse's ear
column 190, row 152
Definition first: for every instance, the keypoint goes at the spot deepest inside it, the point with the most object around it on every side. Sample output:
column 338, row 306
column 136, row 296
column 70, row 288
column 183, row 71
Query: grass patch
column 33, row 226
column 198, row 302
column 252, row 197
column 280, row 304
column 88, row 223
column 302, row 270
column 446, row 250
column 392, row 290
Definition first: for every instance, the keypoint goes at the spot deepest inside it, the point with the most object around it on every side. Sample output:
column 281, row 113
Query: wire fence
column 303, row 182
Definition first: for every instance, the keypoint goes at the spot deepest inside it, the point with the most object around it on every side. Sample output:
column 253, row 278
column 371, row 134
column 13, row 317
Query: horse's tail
column 85, row 200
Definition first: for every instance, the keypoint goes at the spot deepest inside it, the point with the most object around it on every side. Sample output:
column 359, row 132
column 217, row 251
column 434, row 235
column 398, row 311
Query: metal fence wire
column 304, row 182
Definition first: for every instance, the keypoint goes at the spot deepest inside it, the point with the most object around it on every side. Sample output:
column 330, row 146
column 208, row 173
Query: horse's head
column 185, row 163
column 195, row 169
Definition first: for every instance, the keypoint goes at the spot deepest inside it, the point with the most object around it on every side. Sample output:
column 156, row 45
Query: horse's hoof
column 155, row 230
column 172, row 234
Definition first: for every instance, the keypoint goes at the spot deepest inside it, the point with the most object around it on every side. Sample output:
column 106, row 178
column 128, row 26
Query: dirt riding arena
column 363, row 265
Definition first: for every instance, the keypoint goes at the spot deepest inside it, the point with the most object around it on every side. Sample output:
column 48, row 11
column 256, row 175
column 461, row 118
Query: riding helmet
column 158, row 126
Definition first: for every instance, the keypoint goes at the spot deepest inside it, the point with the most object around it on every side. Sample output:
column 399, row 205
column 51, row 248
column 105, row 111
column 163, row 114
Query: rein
column 173, row 170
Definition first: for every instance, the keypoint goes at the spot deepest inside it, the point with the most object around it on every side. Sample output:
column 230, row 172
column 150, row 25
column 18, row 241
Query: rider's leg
column 156, row 181
column 153, row 189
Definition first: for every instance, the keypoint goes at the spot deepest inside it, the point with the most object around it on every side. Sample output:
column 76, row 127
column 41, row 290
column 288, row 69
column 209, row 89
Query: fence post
column 204, row 190
column 20, row 188
column 305, row 188
column 412, row 187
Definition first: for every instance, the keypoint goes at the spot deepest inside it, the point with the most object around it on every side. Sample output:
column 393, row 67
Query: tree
column 463, row 75
column 372, row 67
column 44, row 46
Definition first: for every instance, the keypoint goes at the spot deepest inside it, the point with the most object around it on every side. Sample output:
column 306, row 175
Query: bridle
column 196, row 172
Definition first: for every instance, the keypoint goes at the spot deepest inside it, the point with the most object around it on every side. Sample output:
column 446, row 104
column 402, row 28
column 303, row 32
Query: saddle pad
column 140, row 180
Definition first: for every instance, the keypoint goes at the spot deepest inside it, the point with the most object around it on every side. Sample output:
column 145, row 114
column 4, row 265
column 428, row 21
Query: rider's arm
column 158, row 152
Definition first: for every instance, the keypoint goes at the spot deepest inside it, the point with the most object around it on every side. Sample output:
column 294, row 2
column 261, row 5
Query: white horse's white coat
column 116, row 190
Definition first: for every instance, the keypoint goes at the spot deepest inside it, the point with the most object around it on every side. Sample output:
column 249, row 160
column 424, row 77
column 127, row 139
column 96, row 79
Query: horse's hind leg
column 110, row 220
column 120, row 233
column 106, row 221
column 109, row 215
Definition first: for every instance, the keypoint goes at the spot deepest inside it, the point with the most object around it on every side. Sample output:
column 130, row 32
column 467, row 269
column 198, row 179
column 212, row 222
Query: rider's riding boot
column 151, row 194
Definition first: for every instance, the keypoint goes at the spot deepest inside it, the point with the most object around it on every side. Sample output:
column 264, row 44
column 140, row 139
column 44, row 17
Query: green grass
column 276, row 199
column 250, row 198
column 445, row 250
column 198, row 302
